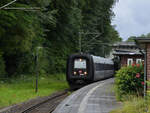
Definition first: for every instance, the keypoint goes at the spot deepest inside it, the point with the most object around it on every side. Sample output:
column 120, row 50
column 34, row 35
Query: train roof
column 98, row 59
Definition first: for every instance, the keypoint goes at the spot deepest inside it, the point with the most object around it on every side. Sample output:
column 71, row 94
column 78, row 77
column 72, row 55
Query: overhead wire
column 2, row 7
column 18, row 8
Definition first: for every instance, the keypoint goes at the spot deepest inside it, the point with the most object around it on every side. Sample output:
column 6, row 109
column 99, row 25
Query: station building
column 135, row 52
column 128, row 53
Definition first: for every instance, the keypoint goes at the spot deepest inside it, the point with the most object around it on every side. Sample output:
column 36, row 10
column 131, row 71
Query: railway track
column 47, row 106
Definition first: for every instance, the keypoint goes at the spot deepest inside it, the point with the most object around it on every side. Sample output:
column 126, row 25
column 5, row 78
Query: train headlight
column 75, row 73
column 85, row 73
column 80, row 60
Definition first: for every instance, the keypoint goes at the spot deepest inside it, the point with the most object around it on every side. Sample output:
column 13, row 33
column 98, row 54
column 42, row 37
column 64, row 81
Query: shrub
column 129, row 80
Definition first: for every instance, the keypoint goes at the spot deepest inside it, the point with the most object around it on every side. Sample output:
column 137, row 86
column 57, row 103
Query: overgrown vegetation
column 134, row 105
column 55, row 28
column 129, row 81
column 17, row 90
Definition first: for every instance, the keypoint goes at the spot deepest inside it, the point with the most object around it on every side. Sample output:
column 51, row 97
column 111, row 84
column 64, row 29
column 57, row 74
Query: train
column 83, row 69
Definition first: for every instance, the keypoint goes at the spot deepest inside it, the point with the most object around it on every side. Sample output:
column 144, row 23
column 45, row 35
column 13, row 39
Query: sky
column 132, row 17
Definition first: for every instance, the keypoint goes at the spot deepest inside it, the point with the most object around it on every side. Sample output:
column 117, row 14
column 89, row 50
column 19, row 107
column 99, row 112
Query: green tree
column 56, row 29
column 131, row 39
column 20, row 33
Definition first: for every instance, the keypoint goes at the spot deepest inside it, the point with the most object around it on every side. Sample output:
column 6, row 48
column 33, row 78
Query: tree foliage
column 131, row 39
column 56, row 29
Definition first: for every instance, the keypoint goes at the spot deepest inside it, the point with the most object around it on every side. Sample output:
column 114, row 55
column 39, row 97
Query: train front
column 79, row 69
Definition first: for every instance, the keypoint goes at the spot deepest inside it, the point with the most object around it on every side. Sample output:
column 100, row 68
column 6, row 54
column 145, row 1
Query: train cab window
column 80, row 67
column 80, row 63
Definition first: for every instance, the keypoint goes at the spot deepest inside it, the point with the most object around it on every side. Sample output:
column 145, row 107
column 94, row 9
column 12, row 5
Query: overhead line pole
column 94, row 33
column 145, row 72
column 80, row 39
column 80, row 34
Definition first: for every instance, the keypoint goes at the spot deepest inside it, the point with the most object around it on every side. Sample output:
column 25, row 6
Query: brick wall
column 148, row 62
column 123, row 61
column 125, row 58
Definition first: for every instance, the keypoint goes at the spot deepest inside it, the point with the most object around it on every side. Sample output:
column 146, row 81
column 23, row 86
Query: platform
column 94, row 98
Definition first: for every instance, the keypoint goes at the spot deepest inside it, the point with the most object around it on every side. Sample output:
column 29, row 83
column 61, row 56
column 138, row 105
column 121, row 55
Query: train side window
column 110, row 66
column 98, row 66
column 106, row 66
column 130, row 61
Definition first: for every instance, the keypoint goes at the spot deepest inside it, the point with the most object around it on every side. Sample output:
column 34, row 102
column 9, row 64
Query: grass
column 19, row 90
column 134, row 105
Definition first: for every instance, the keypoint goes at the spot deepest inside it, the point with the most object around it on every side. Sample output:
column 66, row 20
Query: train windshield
column 80, row 63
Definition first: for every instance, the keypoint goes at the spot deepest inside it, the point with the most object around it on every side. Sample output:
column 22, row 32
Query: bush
column 129, row 80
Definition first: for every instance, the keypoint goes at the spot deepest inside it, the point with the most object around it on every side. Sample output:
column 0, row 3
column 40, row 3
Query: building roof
column 127, row 53
column 125, row 44
column 141, row 42
column 126, row 48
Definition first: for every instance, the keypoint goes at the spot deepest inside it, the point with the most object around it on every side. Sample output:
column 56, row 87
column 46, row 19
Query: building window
column 138, row 61
column 130, row 61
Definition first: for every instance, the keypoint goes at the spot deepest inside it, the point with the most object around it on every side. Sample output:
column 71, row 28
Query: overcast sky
column 132, row 17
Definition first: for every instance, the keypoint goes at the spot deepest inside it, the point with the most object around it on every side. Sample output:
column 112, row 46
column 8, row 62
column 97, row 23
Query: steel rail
column 52, row 107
